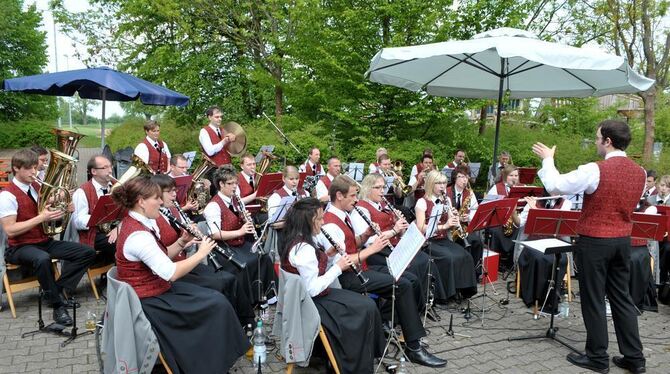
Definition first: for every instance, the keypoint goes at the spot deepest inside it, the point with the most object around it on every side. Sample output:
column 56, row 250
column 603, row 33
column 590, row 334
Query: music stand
column 556, row 223
column 106, row 211
column 182, row 184
column 519, row 192
column 490, row 214
column 527, row 175
column 268, row 183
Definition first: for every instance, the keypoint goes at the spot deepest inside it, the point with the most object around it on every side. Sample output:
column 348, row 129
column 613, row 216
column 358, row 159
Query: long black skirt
column 196, row 328
column 642, row 287
column 226, row 283
column 503, row 244
column 456, row 267
column 354, row 329
column 254, row 286
column 535, row 268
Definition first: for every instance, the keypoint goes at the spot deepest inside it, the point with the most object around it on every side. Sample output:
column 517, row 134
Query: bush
column 26, row 133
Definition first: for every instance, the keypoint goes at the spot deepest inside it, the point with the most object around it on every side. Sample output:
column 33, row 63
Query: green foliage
column 26, row 133
column 574, row 116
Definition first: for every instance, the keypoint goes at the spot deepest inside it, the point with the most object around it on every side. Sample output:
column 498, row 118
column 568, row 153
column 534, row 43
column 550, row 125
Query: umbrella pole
column 102, row 124
column 498, row 110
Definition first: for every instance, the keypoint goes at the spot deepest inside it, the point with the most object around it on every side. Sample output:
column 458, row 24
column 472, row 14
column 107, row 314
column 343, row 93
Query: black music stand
column 490, row 214
column 555, row 223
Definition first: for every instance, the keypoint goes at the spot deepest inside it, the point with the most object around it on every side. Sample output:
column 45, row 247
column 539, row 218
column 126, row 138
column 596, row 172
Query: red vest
column 419, row 193
column 158, row 161
column 441, row 234
column 385, row 220
column 282, row 192
column 419, row 167
column 501, row 189
column 87, row 237
column 169, row 236
column 222, row 157
column 451, row 165
column 136, row 273
column 349, row 236
column 245, row 187
column 229, row 221
column 606, row 213
column 27, row 209
column 451, row 192
column 326, row 181
column 309, row 171
column 322, row 264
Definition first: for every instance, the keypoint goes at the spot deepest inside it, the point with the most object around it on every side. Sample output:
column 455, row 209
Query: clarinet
column 225, row 252
column 354, row 267
column 246, row 215
column 374, row 228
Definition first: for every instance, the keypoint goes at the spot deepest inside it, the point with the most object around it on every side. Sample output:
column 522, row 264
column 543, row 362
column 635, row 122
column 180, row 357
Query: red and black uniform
column 246, row 189
column 313, row 170
column 222, row 157
column 158, row 159
column 93, row 237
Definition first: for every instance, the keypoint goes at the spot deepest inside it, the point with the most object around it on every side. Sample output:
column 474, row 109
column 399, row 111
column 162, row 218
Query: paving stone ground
column 486, row 348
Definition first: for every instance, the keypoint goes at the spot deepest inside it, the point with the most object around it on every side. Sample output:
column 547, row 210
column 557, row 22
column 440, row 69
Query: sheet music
column 543, row 244
column 404, row 252
column 355, row 171
column 447, row 171
column 283, row 206
column 489, row 198
column 434, row 220
column 388, row 181
column 474, row 169
column 267, row 148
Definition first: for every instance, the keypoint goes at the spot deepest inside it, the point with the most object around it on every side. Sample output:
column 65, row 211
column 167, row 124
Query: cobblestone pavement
column 485, row 350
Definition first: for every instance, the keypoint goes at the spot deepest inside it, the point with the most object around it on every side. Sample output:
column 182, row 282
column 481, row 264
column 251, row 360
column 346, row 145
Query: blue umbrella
column 100, row 83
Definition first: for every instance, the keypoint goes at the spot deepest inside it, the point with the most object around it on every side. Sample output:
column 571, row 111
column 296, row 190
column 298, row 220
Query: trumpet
column 545, row 198
column 398, row 182
column 356, row 269
column 246, row 215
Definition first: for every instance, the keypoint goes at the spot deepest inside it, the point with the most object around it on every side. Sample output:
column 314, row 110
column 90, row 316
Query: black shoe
column 625, row 364
column 585, row 362
column 69, row 302
column 61, row 316
column 423, row 357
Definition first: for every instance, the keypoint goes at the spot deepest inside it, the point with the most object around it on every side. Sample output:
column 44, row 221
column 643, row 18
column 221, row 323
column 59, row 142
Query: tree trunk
column 482, row 120
column 649, row 99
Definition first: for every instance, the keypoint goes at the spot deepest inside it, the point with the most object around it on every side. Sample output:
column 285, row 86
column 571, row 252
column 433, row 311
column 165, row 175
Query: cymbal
column 239, row 146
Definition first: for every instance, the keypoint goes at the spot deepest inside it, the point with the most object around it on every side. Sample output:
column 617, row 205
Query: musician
column 195, row 326
column 334, row 169
column 417, row 180
column 214, row 140
column 662, row 198
column 338, row 225
column 201, row 275
column 494, row 171
column 612, row 189
column 351, row 320
column 454, row 263
column 227, row 224
column 291, row 178
column 374, row 167
column 312, row 166
column 463, row 198
column 650, row 186
column 416, row 169
column 43, row 160
column 178, row 166
column 28, row 245
column 85, row 198
column 153, row 151
column 642, row 284
column 459, row 158
column 502, row 237
column 509, row 178
column 247, row 178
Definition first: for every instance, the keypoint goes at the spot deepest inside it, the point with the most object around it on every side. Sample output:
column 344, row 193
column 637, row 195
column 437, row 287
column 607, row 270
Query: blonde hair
column 664, row 179
column 366, row 185
column 434, row 177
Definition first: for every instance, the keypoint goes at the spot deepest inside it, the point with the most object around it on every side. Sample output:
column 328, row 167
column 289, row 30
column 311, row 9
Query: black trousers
column 604, row 269
column 381, row 283
column 664, row 260
column 107, row 250
column 78, row 258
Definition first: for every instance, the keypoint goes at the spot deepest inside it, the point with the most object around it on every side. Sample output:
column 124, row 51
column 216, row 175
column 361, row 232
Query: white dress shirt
column 303, row 257
column 333, row 230
column 437, row 209
column 142, row 246
column 494, row 190
column 81, row 215
column 473, row 202
column 211, row 148
column 321, row 189
column 359, row 224
column 142, row 152
column 303, row 167
column 8, row 204
column 413, row 173
column 212, row 213
column 274, row 201
column 372, row 168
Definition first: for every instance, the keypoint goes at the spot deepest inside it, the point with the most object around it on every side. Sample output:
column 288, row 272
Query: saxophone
column 465, row 208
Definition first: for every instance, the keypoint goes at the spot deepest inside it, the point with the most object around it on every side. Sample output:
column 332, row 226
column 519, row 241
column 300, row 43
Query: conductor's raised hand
column 542, row 151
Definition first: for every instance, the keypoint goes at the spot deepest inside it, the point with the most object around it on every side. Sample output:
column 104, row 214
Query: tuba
column 137, row 168
column 55, row 189
column 66, row 141
column 199, row 191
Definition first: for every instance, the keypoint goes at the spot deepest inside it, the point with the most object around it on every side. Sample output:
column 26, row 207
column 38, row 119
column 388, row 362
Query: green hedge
column 26, row 133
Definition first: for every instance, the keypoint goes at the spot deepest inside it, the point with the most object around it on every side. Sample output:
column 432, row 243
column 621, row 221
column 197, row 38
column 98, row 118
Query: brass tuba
column 66, row 141
column 55, row 189
column 199, row 190
column 137, row 168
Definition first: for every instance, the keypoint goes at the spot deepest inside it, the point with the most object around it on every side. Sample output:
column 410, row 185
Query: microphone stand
column 283, row 135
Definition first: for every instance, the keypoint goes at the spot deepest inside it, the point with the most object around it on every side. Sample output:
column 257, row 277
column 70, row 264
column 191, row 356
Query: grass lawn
column 91, row 132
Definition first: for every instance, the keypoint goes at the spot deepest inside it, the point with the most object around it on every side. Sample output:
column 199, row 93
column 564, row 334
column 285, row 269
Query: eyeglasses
column 440, row 182
column 378, row 187
column 104, row 167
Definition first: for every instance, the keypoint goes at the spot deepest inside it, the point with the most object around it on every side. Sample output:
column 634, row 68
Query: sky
column 66, row 52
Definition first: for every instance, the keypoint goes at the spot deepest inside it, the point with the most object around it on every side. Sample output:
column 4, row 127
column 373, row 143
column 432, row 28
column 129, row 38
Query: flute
column 356, row 269
column 246, row 214
column 373, row 227
column 225, row 252
column 545, row 198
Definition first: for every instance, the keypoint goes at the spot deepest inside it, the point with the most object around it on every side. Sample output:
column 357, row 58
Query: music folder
column 182, row 183
column 268, row 184
column 649, row 226
column 106, row 211
column 403, row 253
column 527, row 175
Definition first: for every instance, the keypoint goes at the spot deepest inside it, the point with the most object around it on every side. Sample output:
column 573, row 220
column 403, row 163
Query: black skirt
column 456, row 267
column 535, row 268
column 642, row 287
column 503, row 244
column 354, row 329
column 196, row 328
column 249, row 276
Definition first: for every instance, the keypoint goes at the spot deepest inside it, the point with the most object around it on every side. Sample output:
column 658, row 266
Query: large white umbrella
column 505, row 60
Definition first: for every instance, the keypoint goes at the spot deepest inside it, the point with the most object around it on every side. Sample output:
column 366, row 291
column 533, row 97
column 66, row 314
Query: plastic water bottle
column 402, row 368
column 564, row 307
column 258, row 340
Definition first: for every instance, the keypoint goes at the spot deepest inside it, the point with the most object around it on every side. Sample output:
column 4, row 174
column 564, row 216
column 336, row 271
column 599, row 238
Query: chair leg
column 93, row 286
column 10, row 298
column 165, row 365
column 518, row 282
column 289, row 368
column 329, row 350
column 568, row 273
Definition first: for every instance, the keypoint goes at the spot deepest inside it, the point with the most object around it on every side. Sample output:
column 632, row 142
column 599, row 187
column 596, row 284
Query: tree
column 22, row 52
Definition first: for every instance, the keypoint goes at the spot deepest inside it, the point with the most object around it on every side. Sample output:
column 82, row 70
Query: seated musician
column 502, row 236
column 227, row 223
column 392, row 224
column 343, row 191
column 416, row 168
column 494, row 174
column 459, row 158
column 28, row 244
column 374, row 167
column 178, row 166
column 201, row 275
column 454, row 263
column 650, row 186
column 103, row 237
column 214, row 140
column 291, row 177
column 312, row 167
column 351, row 320
column 463, row 198
column 334, row 169
column 642, row 283
column 153, row 151
column 663, row 199
column 196, row 327
column 43, row 160
column 417, row 180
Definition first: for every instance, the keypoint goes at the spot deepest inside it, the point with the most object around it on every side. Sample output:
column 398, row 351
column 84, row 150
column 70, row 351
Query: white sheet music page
column 404, row 252
column 542, row 244
column 282, row 208
column 434, row 220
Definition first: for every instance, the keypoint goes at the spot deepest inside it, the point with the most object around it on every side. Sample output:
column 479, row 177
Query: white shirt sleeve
column 335, row 233
column 421, row 204
column 360, row 226
column 303, row 257
column 585, row 179
column 372, row 169
column 212, row 214
column 273, row 204
column 8, row 204
column 206, row 143
column 492, row 191
column 142, row 152
column 413, row 173
column 321, row 190
column 166, row 150
column 80, row 215
column 142, row 246
column 302, row 168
